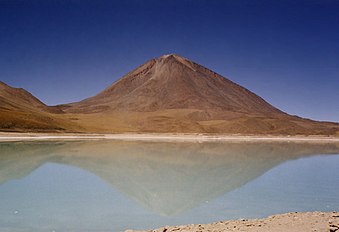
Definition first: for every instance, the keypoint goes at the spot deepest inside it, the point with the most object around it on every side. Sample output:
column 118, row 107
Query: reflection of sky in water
column 112, row 186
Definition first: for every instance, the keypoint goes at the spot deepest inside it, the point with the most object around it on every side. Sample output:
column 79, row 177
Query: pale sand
column 291, row 222
column 5, row 136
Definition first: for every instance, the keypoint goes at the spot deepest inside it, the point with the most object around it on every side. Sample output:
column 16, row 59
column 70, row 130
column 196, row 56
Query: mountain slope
column 21, row 111
column 18, row 98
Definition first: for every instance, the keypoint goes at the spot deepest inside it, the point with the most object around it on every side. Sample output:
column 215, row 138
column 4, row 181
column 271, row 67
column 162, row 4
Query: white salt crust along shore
column 289, row 222
column 5, row 136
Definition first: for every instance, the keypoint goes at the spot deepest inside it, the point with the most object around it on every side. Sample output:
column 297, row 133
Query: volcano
column 173, row 94
column 174, row 82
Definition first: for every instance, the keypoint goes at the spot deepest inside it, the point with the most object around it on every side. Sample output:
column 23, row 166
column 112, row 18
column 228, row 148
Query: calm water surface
column 113, row 185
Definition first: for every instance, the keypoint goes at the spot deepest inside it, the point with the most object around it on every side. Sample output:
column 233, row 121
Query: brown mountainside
column 18, row 98
column 21, row 111
column 173, row 82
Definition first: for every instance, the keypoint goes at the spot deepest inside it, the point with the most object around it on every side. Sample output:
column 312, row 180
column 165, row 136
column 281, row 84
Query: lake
column 106, row 185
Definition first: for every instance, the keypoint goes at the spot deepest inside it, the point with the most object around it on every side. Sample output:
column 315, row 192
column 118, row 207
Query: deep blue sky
column 285, row 51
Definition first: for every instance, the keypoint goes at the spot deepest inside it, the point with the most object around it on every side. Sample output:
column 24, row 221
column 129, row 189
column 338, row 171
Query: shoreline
column 17, row 136
column 292, row 222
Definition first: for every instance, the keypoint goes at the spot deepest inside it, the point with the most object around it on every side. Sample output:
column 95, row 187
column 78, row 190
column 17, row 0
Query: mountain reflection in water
column 167, row 178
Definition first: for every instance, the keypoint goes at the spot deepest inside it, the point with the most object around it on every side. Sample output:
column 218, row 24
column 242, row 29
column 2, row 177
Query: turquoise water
column 114, row 185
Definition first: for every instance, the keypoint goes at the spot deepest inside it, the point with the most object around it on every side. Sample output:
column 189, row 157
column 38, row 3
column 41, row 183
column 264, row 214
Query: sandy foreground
column 291, row 222
column 6, row 136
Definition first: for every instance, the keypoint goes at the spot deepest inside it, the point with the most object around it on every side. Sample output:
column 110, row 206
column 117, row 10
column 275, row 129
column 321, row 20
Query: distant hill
column 21, row 111
column 171, row 94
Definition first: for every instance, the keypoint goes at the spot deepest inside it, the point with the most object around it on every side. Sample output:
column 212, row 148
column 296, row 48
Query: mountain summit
column 166, row 94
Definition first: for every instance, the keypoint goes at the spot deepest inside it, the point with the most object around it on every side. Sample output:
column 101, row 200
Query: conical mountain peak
column 176, row 59
column 170, row 56
column 174, row 82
